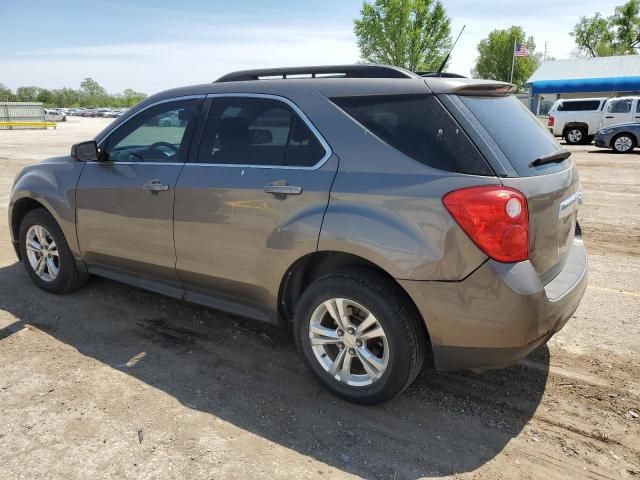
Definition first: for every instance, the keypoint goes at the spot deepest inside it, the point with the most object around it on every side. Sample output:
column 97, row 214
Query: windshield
column 516, row 131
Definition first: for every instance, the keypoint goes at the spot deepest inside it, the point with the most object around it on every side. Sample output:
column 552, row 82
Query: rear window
column 418, row 126
column 516, row 131
column 579, row 106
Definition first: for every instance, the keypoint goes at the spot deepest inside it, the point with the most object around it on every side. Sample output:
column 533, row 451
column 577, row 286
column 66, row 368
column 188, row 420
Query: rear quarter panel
column 387, row 208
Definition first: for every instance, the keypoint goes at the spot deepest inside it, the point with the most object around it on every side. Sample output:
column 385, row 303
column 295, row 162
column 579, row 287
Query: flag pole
column 513, row 60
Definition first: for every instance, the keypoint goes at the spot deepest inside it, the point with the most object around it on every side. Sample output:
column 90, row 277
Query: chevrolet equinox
column 381, row 213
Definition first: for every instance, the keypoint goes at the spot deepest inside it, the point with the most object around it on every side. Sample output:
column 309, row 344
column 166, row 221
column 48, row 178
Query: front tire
column 360, row 336
column 46, row 254
column 623, row 143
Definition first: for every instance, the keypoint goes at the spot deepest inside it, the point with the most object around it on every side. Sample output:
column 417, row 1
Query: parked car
column 620, row 110
column 378, row 213
column 576, row 120
column 622, row 138
column 51, row 115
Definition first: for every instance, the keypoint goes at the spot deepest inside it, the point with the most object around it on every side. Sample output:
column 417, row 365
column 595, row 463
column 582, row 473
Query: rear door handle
column 283, row 189
column 609, row 116
column 155, row 186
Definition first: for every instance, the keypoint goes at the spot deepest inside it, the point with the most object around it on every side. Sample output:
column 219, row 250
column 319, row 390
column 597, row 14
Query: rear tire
column 46, row 254
column 623, row 143
column 380, row 322
column 575, row 135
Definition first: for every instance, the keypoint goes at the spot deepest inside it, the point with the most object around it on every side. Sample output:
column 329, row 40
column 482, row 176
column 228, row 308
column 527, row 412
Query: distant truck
column 577, row 120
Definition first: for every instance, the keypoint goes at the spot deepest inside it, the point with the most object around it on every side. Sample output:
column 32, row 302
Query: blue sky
column 151, row 45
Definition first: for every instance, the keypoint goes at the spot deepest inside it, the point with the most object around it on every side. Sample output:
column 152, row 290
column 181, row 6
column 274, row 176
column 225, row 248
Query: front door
column 252, row 204
column 618, row 111
column 125, row 200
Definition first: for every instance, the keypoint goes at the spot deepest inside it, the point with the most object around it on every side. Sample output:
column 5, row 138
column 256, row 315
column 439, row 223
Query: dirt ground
column 115, row 382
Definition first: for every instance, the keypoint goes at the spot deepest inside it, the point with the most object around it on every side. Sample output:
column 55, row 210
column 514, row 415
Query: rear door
column 618, row 111
column 251, row 204
column 125, row 201
column 552, row 189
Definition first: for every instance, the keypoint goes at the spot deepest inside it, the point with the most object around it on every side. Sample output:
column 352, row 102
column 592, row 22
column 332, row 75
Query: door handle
column 283, row 190
column 609, row 116
column 155, row 186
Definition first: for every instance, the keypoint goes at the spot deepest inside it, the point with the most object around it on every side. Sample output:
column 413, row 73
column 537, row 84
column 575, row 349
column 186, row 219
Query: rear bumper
column 500, row 313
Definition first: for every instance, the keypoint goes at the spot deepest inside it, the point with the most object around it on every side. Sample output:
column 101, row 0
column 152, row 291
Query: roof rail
column 340, row 71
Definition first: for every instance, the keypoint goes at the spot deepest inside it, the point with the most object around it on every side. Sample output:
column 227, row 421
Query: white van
column 576, row 120
column 620, row 110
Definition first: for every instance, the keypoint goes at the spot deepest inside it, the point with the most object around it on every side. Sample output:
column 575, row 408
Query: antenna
column 446, row 59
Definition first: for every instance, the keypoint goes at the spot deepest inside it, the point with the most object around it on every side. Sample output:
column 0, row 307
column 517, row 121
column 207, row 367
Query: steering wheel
column 158, row 145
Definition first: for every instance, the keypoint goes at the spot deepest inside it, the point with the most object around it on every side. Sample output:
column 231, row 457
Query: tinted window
column 155, row 135
column 257, row 131
column 579, row 106
column 518, row 133
column 620, row 106
column 418, row 126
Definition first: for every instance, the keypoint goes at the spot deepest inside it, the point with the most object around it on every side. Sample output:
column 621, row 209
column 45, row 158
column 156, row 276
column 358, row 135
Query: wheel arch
column 20, row 209
column 317, row 264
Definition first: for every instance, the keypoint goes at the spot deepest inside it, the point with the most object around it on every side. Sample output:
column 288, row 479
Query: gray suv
column 383, row 214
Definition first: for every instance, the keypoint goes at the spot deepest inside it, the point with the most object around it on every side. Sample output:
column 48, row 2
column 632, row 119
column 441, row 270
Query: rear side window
column 579, row 106
column 260, row 132
column 418, row 126
column 516, row 131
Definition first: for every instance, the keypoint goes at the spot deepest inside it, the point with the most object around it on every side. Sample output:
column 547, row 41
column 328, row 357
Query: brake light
column 552, row 121
column 495, row 218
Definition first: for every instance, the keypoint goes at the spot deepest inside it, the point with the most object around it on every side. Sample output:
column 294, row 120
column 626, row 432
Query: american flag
column 521, row 50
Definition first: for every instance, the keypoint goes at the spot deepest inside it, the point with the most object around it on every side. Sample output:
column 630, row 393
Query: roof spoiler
column 484, row 89
column 339, row 71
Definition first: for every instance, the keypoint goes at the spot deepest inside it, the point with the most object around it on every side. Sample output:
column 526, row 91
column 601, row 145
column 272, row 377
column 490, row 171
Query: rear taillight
column 496, row 218
column 552, row 121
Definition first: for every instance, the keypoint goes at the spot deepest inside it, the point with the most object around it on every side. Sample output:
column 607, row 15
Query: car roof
column 354, row 80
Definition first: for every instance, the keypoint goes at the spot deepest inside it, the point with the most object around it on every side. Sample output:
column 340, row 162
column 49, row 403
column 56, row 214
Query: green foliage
column 414, row 34
column 619, row 34
column 6, row 95
column 90, row 94
column 496, row 57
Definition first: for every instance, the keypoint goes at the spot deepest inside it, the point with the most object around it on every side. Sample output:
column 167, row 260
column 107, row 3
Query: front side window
column 155, row 135
column 258, row 131
column 620, row 106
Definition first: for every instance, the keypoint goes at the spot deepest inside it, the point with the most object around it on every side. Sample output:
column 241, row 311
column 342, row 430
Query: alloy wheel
column 623, row 144
column 349, row 342
column 42, row 253
column 574, row 136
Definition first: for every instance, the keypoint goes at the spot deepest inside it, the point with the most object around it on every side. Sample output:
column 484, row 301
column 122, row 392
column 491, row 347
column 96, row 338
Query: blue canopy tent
column 604, row 76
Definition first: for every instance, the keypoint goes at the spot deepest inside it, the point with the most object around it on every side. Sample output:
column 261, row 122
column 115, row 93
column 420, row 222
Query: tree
column 92, row 89
column 496, row 57
column 130, row 97
column 619, row 34
column 6, row 95
column 27, row 94
column 414, row 34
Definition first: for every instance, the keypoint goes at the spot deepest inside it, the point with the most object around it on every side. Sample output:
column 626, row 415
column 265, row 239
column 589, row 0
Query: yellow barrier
column 28, row 124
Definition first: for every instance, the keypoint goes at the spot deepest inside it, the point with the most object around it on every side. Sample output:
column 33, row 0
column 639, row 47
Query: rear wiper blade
column 552, row 157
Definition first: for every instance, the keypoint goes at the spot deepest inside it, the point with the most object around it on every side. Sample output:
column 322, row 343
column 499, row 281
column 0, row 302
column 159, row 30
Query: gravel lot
column 115, row 382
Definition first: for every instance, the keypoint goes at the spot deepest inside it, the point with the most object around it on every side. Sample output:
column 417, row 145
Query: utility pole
column 546, row 51
column 513, row 60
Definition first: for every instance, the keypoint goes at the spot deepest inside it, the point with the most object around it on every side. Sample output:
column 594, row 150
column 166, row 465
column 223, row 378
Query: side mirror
column 85, row 151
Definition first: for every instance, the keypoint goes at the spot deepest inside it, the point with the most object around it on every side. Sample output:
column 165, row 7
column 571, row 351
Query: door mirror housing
column 85, row 151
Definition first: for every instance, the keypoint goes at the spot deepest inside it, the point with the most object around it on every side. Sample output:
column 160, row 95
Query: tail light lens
column 552, row 121
column 495, row 218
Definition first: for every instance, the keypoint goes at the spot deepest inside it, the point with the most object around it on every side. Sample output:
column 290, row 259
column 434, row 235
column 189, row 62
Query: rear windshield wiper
column 552, row 157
